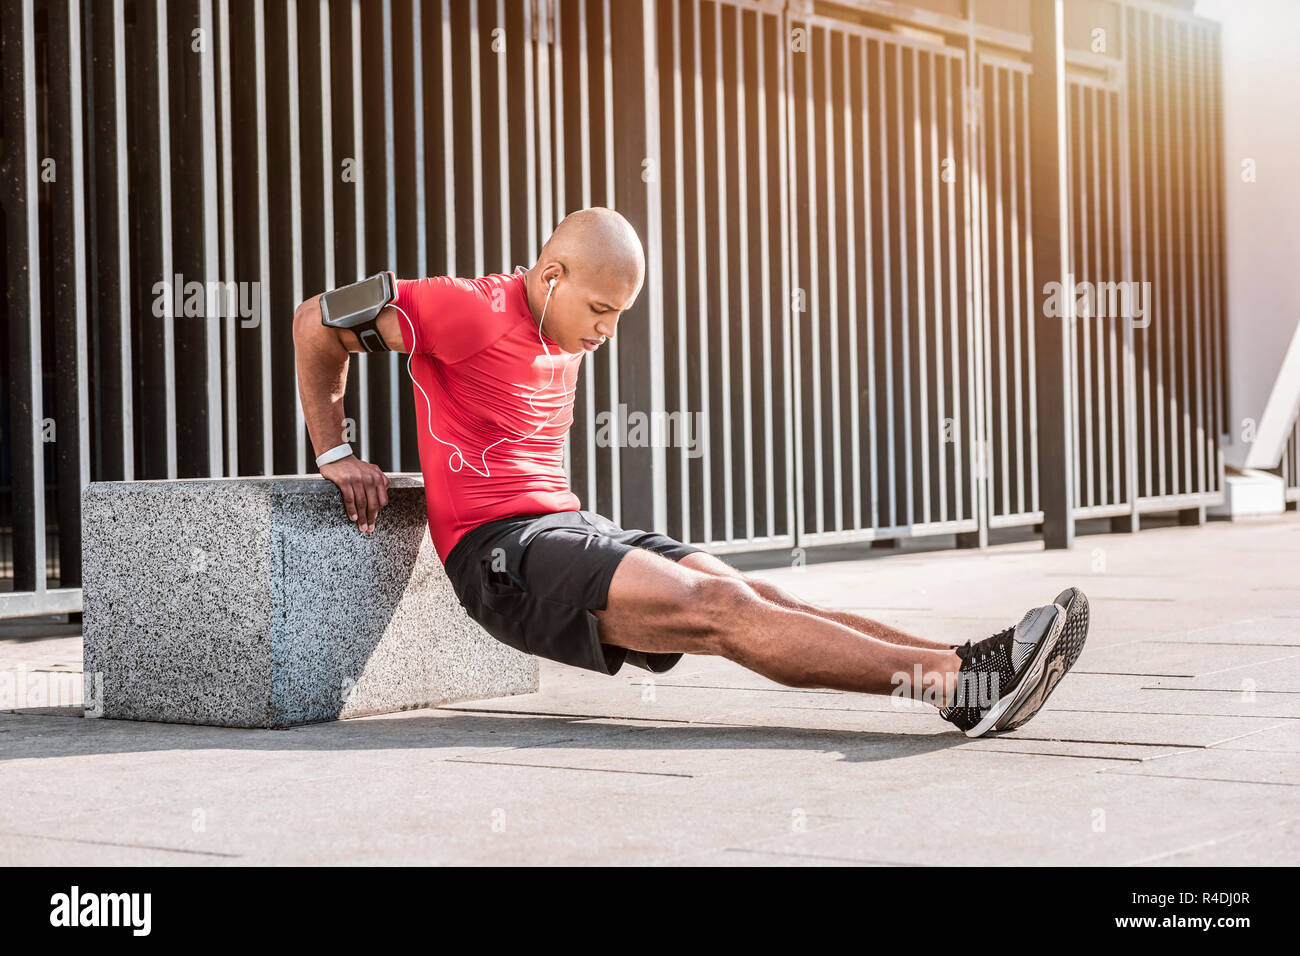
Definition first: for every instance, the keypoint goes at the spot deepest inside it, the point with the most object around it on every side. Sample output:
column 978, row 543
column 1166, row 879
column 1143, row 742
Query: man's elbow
column 306, row 320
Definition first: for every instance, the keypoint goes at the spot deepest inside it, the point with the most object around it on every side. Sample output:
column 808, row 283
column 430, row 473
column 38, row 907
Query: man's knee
column 770, row 592
column 723, row 607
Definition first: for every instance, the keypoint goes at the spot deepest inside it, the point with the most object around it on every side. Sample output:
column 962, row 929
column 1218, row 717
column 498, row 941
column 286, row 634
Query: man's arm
column 322, row 355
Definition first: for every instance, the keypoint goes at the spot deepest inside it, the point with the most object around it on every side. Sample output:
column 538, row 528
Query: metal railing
column 1290, row 467
column 837, row 331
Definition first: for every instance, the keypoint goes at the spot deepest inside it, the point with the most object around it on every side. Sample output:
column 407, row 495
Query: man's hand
column 364, row 487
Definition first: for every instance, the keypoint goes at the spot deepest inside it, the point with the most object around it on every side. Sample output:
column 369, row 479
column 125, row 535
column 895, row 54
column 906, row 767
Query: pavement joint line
column 822, row 856
column 133, row 846
column 1226, row 643
column 1271, row 660
column 1223, row 839
column 1117, row 743
column 750, row 725
column 543, row 713
column 1164, row 713
column 1134, row 674
column 776, row 690
column 903, row 711
column 551, row 766
column 1176, row 776
column 1219, row 690
column 1252, row 733
column 1046, row 753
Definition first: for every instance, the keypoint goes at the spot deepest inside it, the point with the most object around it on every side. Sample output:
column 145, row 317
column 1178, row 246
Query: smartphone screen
column 363, row 299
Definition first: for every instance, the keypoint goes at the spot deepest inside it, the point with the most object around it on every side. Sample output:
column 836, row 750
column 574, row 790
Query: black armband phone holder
column 356, row 307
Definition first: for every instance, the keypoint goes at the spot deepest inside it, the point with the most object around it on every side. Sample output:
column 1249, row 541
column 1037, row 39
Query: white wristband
column 337, row 453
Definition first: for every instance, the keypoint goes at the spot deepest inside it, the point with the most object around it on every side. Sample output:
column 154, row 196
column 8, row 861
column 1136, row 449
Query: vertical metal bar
column 812, row 299
column 1014, row 121
column 295, row 218
column 868, row 261
column 988, row 141
column 999, row 182
column 545, row 115
column 264, row 222
column 557, row 75
column 1126, row 243
column 449, row 147
column 1073, row 243
column 228, row 315
column 211, row 231
column 503, row 139
column 1114, row 332
column 785, row 130
column 34, row 400
column 918, row 149
column 474, row 42
column 1031, row 298
column 742, row 204
column 886, row 239
column 655, row 279
column 831, row 321
column 1145, row 254
column 702, row 322
column 417, row 130
column 363, row 376
column 850, row 209
column 615, row 457
column 1050, row 221
column 530, row 145
column 328, row 171
column 905, row 298
column 165, row 237
column 126, row 364
column 679, row 221
column 1091, row 249
column 1165, row 275
column 1186, row 320
column 970, row 143
column 1202, row 174
column 953, row 312
column 724, row 270
column 1195, row 117
column 1215, row 159
column 941, row 464
column 79, row 243
column 390, row 181
column 589, row 360
column 765, row 252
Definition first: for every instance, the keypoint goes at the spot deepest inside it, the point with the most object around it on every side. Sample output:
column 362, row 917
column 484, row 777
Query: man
column 495, row 363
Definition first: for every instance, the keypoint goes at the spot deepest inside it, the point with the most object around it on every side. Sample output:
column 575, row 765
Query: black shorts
column 532, row 582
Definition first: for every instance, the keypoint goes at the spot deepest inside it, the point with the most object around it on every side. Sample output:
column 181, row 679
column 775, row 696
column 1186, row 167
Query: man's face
column 585, row 307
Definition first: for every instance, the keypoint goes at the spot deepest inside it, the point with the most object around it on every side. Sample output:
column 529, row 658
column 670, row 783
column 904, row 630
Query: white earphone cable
column 451, row 462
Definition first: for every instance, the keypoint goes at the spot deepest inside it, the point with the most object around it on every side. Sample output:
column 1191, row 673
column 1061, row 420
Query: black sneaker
column 1000, row 672
column 1058, row 659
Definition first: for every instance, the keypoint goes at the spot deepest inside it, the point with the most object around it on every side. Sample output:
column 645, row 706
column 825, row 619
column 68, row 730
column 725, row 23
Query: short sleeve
column 449, row 318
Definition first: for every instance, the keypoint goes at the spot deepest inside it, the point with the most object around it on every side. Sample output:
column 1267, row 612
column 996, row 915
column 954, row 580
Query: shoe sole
column 1062, row 658
column 1033, row 674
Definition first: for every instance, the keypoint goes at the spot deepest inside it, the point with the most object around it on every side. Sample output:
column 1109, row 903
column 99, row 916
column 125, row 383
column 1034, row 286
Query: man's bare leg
column 657, row 605
column 770, row 592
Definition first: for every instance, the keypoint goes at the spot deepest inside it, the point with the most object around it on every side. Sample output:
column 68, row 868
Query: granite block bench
column 255, row 602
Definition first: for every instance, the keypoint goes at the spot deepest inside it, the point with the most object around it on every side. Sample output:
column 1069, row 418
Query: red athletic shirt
column 498, row 403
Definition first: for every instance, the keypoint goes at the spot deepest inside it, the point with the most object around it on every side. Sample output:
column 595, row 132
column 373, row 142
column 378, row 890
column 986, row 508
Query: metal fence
column 1291, row 464
column 838, row 324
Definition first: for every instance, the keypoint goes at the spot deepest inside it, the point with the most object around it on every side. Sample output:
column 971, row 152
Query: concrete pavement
column 1173, row 741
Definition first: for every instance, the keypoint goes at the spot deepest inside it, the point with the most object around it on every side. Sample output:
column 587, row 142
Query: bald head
column 597, row 244
column 588, row 274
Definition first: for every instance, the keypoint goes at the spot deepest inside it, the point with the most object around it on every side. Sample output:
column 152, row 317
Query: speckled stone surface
column 254, row 602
